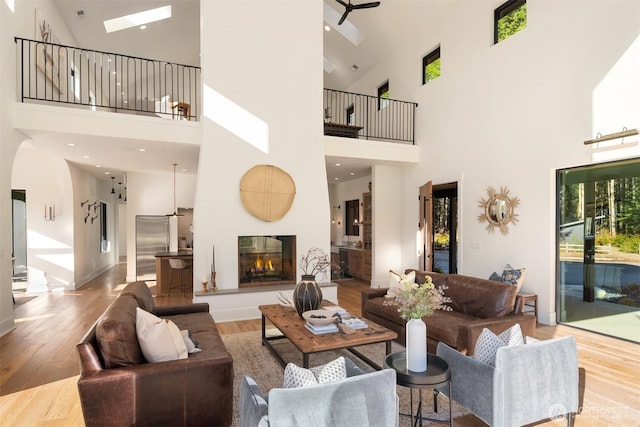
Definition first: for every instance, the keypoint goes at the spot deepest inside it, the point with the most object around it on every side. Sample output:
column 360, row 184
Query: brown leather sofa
column 119, row 388
column 476, row 303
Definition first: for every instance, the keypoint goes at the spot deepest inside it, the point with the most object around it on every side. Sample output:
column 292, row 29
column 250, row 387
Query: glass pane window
column 598, row 248
column 509, row 18
column 431, row 66
column 383, row 95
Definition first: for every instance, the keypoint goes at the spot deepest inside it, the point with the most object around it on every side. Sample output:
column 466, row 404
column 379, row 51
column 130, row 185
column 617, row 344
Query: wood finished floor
column 39, row 366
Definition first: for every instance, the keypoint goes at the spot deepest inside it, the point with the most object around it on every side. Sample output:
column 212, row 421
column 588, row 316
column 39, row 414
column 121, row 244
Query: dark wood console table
column 337, row 129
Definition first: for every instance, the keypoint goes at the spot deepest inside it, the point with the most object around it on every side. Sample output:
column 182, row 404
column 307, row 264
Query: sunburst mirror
column 498, row 210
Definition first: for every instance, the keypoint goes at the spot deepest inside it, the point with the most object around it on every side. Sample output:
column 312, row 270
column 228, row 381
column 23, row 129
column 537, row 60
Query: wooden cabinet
column 355, row 262
column 367, row 235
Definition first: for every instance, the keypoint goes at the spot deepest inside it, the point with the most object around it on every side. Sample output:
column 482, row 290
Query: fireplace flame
column 261, row 266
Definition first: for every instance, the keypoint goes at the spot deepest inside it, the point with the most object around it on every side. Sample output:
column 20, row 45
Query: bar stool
column 178, row 264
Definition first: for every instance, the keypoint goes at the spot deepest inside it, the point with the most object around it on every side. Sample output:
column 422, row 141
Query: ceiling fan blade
column 342, row 3
column 343, row 17
column 366, row 5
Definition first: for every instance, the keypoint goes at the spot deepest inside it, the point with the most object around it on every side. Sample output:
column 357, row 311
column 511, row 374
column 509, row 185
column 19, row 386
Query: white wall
column 510, row 115
column 340, row 193
column 89, row 261
column 9, row 142
column 265, row 58
column 46, row 179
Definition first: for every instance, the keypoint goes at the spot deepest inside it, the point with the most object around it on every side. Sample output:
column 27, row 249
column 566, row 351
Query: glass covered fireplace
column 266, row 260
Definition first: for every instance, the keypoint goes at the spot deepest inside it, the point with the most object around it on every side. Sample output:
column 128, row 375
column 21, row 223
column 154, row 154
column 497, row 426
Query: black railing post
column 393, row 121
column 66, row 79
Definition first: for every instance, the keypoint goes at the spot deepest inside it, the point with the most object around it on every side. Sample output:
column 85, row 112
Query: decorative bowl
column 319, row 317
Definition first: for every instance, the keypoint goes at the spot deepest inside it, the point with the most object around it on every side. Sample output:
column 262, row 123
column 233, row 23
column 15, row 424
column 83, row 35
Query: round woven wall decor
column 267, row 192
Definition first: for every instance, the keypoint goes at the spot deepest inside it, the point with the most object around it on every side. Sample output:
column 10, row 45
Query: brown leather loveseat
column 476, row 303
column 119, row 388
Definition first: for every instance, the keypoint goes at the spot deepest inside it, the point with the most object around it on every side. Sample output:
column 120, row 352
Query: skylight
column 137, row 19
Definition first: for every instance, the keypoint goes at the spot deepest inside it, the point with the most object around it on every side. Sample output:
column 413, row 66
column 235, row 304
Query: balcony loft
column 74, row 77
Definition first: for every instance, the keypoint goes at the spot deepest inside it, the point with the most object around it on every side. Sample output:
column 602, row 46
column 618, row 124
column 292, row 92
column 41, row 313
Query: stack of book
column 322, row 329
column 355, row 323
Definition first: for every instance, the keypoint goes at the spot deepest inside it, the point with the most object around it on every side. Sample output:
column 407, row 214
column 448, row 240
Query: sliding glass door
column 598, row 254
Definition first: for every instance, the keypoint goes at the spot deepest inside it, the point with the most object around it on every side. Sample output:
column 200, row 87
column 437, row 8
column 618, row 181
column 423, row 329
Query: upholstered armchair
column 360, row 400
column 529, row 383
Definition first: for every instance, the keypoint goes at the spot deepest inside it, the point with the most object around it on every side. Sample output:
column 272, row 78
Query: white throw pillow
column 295, row 376
column 160, row 339
column 488, row 343
column 395, row 280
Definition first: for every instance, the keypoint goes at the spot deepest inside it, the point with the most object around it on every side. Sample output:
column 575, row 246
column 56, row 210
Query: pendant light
column 175, row 210
column 113, row 190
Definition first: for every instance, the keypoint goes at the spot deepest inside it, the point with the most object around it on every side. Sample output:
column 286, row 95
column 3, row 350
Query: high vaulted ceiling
column 178, row 40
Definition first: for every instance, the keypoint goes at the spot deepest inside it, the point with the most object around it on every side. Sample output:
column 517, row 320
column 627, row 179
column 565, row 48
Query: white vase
column 416, row 343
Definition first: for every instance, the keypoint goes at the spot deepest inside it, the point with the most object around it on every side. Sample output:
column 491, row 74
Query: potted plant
column 307, row 294
column 415, row 301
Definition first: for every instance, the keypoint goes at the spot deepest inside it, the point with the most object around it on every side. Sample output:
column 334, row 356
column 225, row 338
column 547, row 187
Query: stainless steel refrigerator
column 152, row 236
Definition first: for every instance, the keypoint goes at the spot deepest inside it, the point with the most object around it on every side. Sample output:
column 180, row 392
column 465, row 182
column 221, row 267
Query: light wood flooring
column 39, row 366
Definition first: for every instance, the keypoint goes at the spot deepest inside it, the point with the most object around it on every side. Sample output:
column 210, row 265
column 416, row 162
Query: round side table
column 436, row 376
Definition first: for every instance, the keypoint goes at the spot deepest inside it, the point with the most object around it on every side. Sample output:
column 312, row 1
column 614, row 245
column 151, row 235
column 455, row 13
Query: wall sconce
column 86, row 217
column 49, row 213
column 84, row 203
column 333, row 220
column 93, row 218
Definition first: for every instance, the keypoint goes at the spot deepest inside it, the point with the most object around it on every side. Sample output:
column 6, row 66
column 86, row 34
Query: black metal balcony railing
column 52, row 72
column 354, row 115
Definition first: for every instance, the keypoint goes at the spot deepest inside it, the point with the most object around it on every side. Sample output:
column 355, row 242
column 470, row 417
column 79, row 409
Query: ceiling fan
column 349, row 7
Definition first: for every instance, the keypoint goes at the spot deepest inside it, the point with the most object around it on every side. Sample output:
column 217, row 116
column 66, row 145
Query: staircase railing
column 355, row 115
column 51, row 72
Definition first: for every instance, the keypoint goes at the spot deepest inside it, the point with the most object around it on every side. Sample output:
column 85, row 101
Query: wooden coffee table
column 292, row 327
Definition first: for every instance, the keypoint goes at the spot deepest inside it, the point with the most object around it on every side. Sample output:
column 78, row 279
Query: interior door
column 425, row 227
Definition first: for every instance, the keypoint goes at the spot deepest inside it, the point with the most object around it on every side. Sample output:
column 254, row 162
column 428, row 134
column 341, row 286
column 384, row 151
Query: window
column 351, row 115
column 383, row 95
column 431, row 66
column 509, row 18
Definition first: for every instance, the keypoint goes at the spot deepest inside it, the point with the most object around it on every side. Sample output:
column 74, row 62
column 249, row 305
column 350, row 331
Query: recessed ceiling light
column 336, row 178
column 142, row 150
column 114, row 73
column 327, row 28
column 137, row 19
column 337, row 164
column 71, row 144
column 85, row 157
column 184, row 169
column 98, row 166
column 107, row 173
column 352, row 173
column 143, row 27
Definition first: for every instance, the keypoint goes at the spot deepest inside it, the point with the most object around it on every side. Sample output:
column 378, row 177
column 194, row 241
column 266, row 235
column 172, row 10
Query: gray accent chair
column 360, row 400
column 529, row 383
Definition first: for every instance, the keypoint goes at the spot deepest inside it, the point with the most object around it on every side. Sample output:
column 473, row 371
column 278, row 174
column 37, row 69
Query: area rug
column 251, row 358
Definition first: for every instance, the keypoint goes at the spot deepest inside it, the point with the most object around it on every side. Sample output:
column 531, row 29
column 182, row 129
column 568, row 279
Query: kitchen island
column 163, row 272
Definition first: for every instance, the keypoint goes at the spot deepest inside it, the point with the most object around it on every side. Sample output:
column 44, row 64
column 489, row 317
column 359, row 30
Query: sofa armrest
column 368, row 294
column 173, row 310
column 466, row 374
column 468, row 334
column 159, row 393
